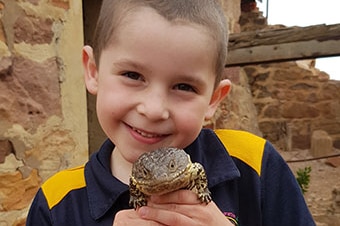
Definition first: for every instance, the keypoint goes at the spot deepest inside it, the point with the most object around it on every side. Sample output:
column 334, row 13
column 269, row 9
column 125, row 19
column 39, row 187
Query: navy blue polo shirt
column 249, row 181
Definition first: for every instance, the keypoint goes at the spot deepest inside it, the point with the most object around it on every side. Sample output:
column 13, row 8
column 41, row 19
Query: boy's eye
column 132, row 75
column 185, row 87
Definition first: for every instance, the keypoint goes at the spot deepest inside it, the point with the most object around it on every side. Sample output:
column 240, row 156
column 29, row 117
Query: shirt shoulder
column 244, row 146
column 59, row 185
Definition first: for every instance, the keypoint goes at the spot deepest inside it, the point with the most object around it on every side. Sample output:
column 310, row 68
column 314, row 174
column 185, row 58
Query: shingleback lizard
column 165, row 170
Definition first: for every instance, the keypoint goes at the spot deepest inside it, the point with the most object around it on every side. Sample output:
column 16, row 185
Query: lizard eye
column 145, row 173
column 172, row 165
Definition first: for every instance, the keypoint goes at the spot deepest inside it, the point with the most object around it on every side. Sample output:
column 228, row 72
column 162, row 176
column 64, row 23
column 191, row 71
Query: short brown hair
column 207, row 13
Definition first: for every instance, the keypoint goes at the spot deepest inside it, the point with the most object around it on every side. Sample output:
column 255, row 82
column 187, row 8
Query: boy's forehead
column 148, row 24
column 143, row 12
column 146, row 17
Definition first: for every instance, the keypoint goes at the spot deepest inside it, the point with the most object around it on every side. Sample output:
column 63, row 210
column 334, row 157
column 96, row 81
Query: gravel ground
column 323, row 195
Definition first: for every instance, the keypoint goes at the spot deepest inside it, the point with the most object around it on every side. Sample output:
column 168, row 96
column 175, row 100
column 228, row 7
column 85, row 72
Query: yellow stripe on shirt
column 59, row 185
column 243, row 145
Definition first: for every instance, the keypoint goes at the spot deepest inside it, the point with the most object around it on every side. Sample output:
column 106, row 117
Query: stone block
column 336, row 143
column 64, row 4
column 321, row 143
column 233, row 74
column 334, row 162
column 33, row 30
column 5, row 67
column 336, row 200
column 300, row 141
column 17, row 192
column 272, row 111
column 10, row 164
column 29, row 91
column 5, row 149
column 299, row 110
column 2, row 32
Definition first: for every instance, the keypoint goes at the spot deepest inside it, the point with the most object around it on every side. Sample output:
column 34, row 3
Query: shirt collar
column 103, row 189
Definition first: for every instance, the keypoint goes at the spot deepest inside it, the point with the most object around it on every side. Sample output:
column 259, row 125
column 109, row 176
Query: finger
column 189, row 210
column 180, row 197
column 130, row 217
column 179, row 214
column 164, row 217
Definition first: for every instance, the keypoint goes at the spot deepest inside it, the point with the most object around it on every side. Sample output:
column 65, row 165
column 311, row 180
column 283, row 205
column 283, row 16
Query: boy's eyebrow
column 129, row 65
column 192, row 79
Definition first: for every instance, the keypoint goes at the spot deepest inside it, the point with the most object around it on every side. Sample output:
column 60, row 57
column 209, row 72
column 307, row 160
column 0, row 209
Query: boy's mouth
column 146, row 134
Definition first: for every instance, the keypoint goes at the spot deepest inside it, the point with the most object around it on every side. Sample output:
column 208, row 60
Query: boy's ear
column 221, row 91
column 90, row 70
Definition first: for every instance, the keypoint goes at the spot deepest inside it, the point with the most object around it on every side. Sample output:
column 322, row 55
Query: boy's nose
column 154, row 107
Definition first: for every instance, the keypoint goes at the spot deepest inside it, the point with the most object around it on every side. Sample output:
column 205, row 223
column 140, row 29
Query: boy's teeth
column 146, row 134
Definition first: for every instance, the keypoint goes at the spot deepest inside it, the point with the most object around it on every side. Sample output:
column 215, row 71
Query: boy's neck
column 120, row 168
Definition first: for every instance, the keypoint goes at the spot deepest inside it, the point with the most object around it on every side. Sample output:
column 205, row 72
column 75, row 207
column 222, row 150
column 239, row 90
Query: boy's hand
column 131, row 217
column 182, row 208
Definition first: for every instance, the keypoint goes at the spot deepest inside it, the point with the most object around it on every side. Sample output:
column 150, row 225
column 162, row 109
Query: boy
column 156, row 68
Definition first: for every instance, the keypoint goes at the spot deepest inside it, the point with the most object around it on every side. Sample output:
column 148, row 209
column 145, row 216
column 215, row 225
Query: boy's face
column 155, row 83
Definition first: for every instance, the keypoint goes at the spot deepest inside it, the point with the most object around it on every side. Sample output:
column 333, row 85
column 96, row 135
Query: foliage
column 303, row 178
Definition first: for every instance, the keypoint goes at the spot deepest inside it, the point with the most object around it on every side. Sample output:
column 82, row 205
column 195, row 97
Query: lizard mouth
column 164, row 185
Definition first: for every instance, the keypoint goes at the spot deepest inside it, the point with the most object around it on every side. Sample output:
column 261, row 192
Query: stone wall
column 298, row 110
column 43, row 126
column 293, row 100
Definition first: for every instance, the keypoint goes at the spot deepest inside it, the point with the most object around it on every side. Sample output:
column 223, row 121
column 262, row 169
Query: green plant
column 303, row 178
